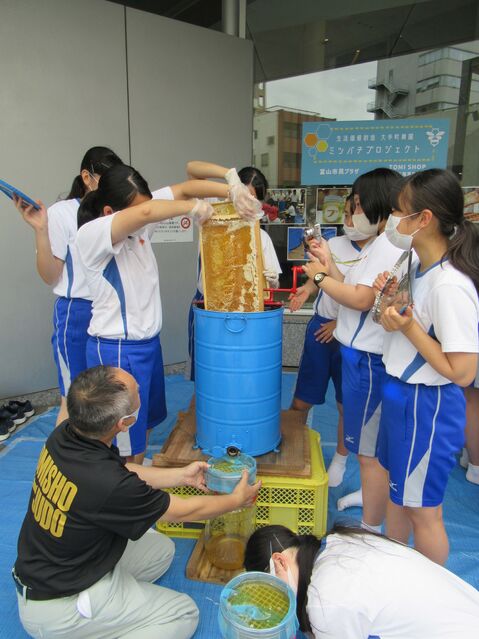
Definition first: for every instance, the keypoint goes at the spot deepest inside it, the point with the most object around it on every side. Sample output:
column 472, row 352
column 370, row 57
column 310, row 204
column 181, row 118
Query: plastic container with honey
column 256, row 605
column 226, row 535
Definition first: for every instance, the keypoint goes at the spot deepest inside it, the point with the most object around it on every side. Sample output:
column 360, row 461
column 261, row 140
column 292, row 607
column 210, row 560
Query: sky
column 337, row 93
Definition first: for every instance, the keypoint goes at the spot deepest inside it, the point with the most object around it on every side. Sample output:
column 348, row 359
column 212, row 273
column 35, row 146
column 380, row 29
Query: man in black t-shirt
column 87, row 556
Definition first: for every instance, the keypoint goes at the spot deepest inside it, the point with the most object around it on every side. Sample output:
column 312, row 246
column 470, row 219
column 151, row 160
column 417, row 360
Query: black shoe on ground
column 26, row 407
column 15, row 414
column 7, row 427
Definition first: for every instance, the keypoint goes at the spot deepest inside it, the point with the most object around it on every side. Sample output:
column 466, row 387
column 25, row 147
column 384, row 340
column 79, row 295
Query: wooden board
column 199, row 567
column 231, row 262
column 292, row 460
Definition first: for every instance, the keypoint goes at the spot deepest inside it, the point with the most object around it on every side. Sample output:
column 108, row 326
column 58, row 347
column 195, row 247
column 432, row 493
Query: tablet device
column 10, row 191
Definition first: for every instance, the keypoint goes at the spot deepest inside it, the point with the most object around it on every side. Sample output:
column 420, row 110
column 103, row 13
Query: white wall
column 64, row 89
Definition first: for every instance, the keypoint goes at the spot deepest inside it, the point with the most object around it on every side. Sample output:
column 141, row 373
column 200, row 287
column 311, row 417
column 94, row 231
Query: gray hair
column 97, row 400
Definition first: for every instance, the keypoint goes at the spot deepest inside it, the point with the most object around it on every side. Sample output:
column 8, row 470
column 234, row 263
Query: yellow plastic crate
column 298, row 503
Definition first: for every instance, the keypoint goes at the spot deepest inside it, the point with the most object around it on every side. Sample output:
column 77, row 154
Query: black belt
column 29, row 593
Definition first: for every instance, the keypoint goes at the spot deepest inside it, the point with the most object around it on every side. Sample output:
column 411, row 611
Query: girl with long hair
column 430, row 353
column 354, row 584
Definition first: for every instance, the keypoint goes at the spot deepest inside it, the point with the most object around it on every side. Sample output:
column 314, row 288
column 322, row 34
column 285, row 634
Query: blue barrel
column 238, row 381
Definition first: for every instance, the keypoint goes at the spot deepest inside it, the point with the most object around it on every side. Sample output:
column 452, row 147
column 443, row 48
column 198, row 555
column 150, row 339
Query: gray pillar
column 230, row 17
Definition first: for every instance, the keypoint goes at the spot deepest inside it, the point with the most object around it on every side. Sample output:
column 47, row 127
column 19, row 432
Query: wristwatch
column 318, row 278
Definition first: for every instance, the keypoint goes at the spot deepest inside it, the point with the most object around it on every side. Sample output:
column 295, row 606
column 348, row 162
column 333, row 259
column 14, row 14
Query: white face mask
column 135, row 415
column 400, row 240
column 353, row 234
column 289, row 576
column 364, row 226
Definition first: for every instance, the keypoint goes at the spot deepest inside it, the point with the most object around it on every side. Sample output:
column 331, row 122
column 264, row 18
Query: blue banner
column 338, row 152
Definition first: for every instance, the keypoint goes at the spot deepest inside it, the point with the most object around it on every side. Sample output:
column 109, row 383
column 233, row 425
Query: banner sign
column 338, row 152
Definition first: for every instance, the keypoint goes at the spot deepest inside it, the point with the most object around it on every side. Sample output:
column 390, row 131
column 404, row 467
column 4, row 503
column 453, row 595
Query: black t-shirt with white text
column 84, row 507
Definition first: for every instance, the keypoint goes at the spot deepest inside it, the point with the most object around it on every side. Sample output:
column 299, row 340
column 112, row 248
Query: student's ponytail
column 77, row 190
column 463, row 252
column 308, row 548
column 440, row 192
column 90, row 208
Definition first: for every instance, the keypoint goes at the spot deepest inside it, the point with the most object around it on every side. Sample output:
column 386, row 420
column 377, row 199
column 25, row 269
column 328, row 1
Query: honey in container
column 226, row 535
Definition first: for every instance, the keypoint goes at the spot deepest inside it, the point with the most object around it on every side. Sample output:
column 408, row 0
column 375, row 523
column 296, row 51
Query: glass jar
column 226, row 535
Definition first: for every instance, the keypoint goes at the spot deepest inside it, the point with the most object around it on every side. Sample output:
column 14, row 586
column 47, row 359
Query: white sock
column 351, row 500
column 336, row 470
column 464, row 459
column 377, row 529
column 472, row 474
column 147, row 461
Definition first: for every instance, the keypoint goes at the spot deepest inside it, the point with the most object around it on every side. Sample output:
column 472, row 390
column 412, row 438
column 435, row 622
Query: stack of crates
column 301, row 504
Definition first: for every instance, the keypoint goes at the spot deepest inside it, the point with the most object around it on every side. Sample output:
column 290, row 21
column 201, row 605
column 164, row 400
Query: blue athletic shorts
column 363, row 375
column 422, row 427
column 190, row 373
column 142, row 359
column 71, row 318
column 319, row 363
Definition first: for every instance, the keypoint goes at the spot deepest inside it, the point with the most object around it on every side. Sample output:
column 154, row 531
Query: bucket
column 238, row 381
column 256, row 605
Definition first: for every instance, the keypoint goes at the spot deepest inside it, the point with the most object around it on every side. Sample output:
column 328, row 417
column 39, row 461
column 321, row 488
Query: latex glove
column 201, row 211
column 247, row 206
column 232, row 177
column 272, row 278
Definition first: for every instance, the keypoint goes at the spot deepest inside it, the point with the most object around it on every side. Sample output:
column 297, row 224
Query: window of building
column 451, row 81
column 255, row 134
column 292, row 129
column 270, row 140
column 449, row 53
column 435, row 106
column 264, row 159
column 291, row 160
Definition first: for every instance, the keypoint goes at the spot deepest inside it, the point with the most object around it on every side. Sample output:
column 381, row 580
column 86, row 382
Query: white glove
column 201, row 211
column 232, row 177
column 272, row 278
column 247, row 206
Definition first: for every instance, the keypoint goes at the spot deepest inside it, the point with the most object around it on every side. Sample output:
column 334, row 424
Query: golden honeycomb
column 231, row 262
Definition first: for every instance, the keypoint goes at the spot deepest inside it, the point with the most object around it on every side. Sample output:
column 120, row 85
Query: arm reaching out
column 49, row 267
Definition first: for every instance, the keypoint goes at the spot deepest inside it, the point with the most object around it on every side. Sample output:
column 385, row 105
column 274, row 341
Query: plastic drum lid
column 225, row 472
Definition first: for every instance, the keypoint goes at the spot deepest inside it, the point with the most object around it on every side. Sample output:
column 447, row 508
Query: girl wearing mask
column 58, row 266
column 357, row 585
column 361, row 339
column 430, row 352
column 321, row 359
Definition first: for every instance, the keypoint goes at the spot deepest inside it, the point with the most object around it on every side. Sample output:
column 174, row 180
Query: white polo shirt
column 62, row 231
column 447, row 308
column 346, row 254
column 371, row 587
column 123, row 279
column 356, row 328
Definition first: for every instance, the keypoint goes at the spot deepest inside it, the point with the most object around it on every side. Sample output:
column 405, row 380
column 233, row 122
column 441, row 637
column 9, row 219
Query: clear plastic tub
column 256, row 605
column 225, row 472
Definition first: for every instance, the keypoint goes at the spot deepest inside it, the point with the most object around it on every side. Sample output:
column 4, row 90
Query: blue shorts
column 363, row 376
column 190, row 373
column 142, row 359
column 319, row 363
column 71, row 318
column 422, row 427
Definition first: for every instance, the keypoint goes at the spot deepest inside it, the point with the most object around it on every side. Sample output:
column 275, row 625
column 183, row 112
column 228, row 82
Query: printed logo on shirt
column 393, row 486
column 349, row 439
column 53, row 495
